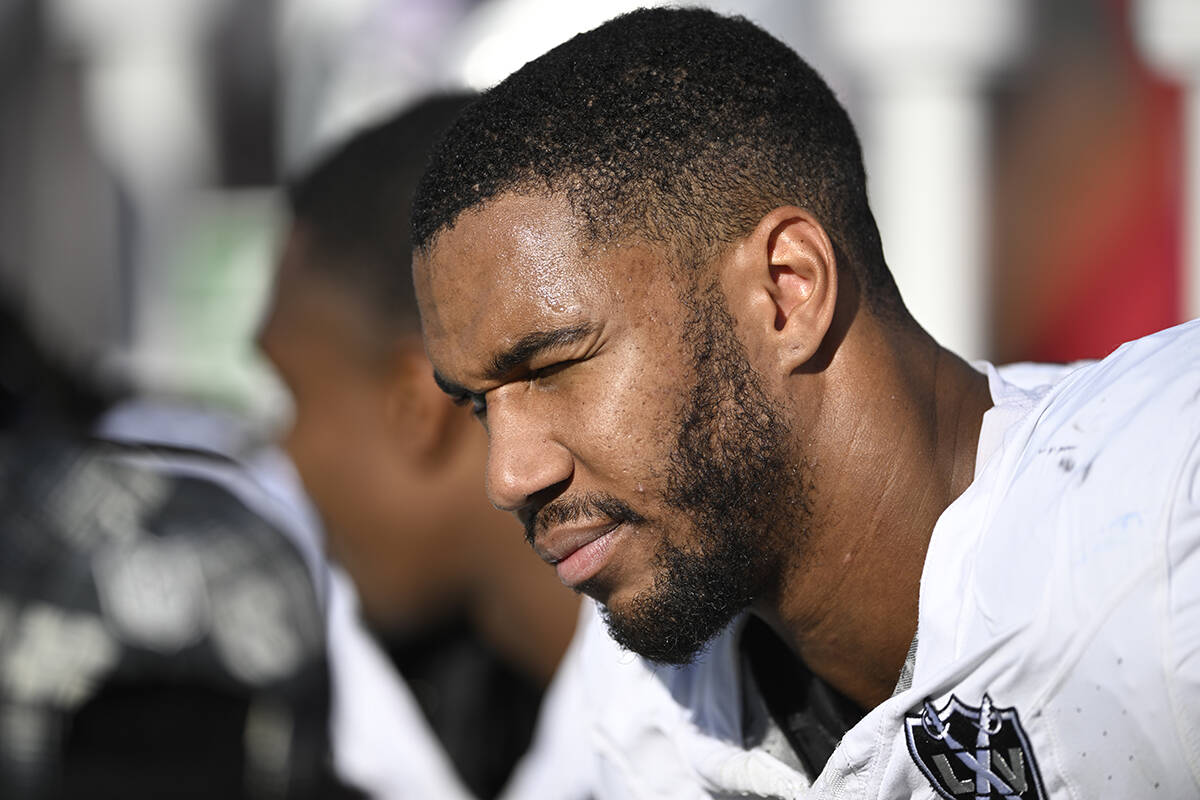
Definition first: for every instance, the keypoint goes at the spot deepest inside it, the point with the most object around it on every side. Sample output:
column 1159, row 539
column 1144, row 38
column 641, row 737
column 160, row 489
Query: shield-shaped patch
column 973, row 751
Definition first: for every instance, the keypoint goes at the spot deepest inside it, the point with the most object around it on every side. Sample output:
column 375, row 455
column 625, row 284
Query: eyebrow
column 521, row 352
column 535, row 343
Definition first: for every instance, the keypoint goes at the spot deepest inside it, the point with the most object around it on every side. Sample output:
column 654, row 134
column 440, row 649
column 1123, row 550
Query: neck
column 848, row 603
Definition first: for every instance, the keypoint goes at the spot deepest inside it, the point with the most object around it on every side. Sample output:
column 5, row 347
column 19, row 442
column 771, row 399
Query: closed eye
column 477, row 402
column 551, row 369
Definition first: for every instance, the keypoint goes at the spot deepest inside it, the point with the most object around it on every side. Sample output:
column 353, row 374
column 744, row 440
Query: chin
column 655, row 632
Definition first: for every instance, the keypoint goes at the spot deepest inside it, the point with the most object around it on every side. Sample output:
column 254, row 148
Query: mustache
column 590, row 506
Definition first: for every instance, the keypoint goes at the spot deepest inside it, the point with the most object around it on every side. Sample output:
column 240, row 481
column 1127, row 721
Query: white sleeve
column 1183, row 596
column 560, row 764
column 381, row 741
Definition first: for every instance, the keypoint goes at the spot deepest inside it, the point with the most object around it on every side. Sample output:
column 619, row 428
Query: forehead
column 516, row 265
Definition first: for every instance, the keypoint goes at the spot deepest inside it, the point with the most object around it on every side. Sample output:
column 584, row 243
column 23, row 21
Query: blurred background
column 1028, row 161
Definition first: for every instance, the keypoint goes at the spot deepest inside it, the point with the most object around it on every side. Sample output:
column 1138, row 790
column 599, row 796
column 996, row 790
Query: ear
column 785, row 281
column 421, row 421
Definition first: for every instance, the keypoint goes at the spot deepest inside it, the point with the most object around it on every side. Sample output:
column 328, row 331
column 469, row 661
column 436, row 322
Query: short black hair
column 355, row 204
column 679, row 126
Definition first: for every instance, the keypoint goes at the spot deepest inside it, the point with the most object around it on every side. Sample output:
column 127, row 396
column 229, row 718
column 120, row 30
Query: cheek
column 629, row 427
column 334, row 453
column 316, row 439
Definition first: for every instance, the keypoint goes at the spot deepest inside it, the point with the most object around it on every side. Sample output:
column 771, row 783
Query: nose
column 524, row 459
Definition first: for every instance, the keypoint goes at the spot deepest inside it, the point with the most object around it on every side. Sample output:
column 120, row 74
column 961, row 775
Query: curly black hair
column 681, row 127
column 355, row 203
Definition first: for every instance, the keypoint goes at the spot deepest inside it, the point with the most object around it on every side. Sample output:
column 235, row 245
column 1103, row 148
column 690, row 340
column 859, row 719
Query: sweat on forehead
column 514, row 249
column 515, row 267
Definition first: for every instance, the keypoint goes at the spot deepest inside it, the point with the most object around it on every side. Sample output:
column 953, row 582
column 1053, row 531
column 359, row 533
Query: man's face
column 627, row 429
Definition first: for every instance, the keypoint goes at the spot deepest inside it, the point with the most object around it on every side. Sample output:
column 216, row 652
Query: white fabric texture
column 1064, row 584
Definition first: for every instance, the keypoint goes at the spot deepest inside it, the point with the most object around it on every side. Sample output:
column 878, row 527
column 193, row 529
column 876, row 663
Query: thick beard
column 738, row 479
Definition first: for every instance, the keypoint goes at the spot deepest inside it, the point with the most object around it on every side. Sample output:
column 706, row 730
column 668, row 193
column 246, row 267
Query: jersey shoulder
column 157, row 606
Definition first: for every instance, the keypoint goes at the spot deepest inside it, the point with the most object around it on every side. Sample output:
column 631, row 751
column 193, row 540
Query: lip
column 579, row 553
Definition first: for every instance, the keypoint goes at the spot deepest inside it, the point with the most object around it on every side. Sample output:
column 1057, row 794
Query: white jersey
column 1058, row 642
column 381, row 741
